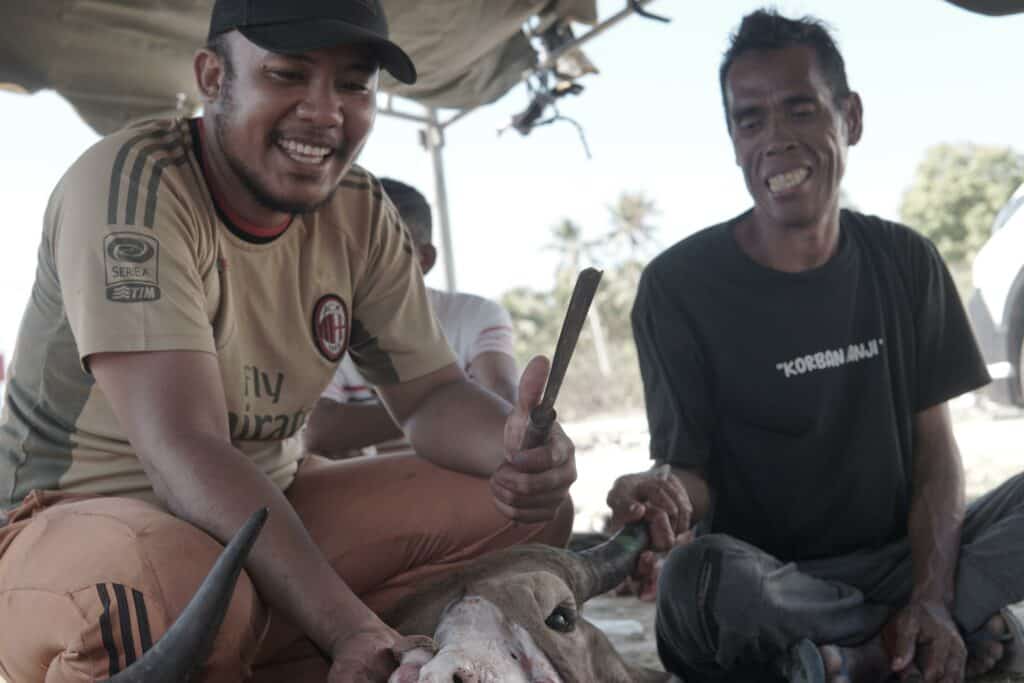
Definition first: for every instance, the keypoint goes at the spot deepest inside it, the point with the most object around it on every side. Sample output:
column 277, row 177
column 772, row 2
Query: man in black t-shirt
column 797, row 363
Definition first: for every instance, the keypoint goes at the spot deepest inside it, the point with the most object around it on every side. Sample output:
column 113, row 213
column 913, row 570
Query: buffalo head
column 514, row 616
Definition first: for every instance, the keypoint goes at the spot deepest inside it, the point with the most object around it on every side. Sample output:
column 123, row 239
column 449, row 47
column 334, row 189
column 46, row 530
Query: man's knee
column 688, row 614
column 688, row 569
column 109, row 576
column 684, row 586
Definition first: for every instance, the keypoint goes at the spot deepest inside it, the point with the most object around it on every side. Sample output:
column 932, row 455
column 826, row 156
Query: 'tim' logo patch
column 330, row 327
column 132, row 264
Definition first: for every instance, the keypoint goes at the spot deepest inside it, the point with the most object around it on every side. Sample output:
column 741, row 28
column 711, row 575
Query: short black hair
column 766, row 29
column 412, row 207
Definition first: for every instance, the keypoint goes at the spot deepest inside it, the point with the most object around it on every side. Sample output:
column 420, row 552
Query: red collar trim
column 239, row 223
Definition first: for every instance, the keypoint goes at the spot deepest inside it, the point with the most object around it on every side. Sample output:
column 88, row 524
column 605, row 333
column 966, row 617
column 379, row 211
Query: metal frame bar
column 432, row 133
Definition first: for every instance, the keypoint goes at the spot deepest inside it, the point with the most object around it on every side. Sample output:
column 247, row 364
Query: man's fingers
column 531, row 383
column 683, row 538
column 660, row 497
column 634, row 513
column 956, row 665
column 905, row 643
column 955, row 661
column 555, row 453
column 545, row 499
column 526, row 515
column 660, row 528
column 933, row 663
column 645, row 565
column 526, row 484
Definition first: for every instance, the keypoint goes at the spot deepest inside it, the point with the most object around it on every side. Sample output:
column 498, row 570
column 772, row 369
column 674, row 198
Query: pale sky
column 927, row 71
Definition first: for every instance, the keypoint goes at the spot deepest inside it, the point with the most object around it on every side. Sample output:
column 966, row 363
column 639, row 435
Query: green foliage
column 604, row 375
column 957, row 191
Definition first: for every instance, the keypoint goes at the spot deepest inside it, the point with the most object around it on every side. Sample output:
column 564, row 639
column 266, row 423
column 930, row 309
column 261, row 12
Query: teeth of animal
column 785, row 181
column 308, row 154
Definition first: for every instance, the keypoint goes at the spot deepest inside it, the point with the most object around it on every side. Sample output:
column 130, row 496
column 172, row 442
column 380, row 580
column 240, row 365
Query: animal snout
column 464, row 675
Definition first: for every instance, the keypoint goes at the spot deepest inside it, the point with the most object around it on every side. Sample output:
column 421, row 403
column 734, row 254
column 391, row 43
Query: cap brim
column 303, row 36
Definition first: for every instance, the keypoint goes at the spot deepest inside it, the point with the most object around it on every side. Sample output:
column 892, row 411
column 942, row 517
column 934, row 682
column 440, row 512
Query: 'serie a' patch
column 330, row 327
column 132, row 267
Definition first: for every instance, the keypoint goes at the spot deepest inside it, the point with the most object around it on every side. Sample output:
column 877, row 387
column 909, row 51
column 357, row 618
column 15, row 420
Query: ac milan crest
column 330, row 326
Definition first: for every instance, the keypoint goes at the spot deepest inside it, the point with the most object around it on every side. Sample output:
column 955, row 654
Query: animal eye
column 562, row 619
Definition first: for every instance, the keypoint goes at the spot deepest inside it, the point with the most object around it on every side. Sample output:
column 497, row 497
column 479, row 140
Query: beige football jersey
column 137, row 256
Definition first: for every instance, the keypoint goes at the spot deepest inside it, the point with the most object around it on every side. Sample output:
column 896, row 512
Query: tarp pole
column 433, row 140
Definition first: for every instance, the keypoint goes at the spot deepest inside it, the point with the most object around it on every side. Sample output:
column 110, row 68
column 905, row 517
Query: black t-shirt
column 796, row 392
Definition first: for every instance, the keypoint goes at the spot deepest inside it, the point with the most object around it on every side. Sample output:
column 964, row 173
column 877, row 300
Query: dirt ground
column 989, row 437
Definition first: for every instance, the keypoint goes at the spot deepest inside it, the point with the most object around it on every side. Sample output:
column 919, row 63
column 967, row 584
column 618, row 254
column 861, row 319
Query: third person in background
column 349, row 419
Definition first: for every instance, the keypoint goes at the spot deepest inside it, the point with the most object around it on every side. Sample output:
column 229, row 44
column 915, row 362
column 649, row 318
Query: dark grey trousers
column 727, row 610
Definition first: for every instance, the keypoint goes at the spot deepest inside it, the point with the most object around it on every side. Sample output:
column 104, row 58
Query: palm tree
column 631, row 224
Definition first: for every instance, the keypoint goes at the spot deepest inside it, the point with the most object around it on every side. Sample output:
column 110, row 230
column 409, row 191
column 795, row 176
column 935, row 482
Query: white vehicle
column 997, row 306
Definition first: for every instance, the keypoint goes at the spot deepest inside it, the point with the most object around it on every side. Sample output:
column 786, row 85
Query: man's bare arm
column 496, row 371
column 171, row 405
column 923, row 632
column 450, row 420
column 336, row 429
column 937, row 506
column 461, row 426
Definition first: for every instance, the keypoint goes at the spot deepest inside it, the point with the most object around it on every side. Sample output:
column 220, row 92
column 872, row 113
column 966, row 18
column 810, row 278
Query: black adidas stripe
column 125, row 617
column 135, row 179
column 107, row 630
column 119, row 161
column 154, row 183
column 142, row 616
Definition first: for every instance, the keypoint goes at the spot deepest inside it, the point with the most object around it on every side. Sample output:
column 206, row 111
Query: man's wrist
column 349, row 629
column 932, row 598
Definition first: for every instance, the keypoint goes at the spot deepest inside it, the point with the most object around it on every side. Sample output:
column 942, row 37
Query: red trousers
column 87, row 584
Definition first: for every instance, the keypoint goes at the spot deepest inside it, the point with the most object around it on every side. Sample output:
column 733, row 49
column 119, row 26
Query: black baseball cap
column 294, row 26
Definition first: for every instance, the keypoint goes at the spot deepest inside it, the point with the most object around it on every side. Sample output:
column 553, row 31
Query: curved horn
column 185, row 646
column 607, row 565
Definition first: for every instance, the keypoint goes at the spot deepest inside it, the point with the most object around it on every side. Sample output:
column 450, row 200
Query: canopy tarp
column 117, row 61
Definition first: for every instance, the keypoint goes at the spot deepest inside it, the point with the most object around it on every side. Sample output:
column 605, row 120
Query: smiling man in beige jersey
column 198, row 282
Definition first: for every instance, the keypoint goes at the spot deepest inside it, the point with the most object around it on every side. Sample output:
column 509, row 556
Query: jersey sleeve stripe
column 154, row 183
column 107, row 631
column 142, row 616
column 118, row 169
column 135, row 180
column 124, row 617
